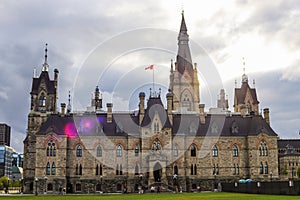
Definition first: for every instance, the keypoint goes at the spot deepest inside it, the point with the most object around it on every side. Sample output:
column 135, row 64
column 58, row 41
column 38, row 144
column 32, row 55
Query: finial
column 244, row 68
column 159, row 91
column 235, row 83
column 69, row 103
column 46, row 50
column 150, row 92
column 45, row 65
column 254, row 83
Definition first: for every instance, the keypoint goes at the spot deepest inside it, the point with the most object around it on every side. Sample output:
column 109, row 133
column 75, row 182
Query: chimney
column 141, row 107
column 63, row 109
column 267, row 115
column 202, row 114
column 109, row 112
column 170, row 105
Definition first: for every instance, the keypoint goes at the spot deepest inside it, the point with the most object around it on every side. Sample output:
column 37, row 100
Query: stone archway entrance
column 157, row 172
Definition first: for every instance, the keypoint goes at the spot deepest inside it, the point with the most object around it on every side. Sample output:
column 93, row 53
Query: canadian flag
column 150, row 67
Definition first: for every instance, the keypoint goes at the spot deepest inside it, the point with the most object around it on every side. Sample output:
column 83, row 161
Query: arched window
column 136, row 169
column 192, row 169
column 53, row 169
column 175, row 169
column 266, row 168
column 136, row 150
column 156, row 146
column 117, row 169
column 195, row 169
column 121, row 172
column 77, row 170
column 235, row 151
column 99, row 151
column 235, row 169
column 261, row 168
column 49, row 187
column 215, row 151
column 80, row 169
column 193, row 150
column 48, row 168
column 97, row 170
column 51, row 148
column 119, row 151
column 101, row 170
column 42, row 100
column 175, row 150
column 79, row 151
column 263, row 149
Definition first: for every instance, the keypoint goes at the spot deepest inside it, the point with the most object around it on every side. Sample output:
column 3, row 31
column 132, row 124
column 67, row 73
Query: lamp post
column 215, row 184
column 36, row 182
column 175, row 182
column 45, row 178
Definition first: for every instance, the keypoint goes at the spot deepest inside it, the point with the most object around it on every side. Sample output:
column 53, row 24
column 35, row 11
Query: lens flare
column 71, row 131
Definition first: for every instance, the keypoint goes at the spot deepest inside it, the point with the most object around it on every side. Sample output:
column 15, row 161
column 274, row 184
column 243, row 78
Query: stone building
column 177, row 145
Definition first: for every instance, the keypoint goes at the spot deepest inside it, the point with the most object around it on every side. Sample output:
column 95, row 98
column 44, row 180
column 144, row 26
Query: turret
column 170, row 105
column 141, row 107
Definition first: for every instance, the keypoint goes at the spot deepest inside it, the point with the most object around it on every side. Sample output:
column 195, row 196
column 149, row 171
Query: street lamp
column 36, row 182
column 45, row 178
column 215, row 185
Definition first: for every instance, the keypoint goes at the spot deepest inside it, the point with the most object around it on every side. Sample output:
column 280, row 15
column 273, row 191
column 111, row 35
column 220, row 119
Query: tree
column 4, row 181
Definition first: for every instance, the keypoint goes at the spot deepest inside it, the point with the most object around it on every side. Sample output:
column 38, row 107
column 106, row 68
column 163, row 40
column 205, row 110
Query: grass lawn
column 187, row 196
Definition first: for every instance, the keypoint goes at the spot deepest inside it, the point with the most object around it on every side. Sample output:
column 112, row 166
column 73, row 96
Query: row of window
column 50, row 170
column 156, row 146
column 263, row 169
column 215, row 169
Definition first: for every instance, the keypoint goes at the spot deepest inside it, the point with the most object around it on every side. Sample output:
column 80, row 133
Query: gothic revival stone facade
column 177, row 145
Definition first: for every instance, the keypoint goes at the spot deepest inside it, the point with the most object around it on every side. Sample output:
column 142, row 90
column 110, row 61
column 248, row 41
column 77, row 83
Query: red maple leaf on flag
column 150, row 67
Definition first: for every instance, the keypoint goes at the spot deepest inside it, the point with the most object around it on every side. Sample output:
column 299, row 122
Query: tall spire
column 45, row 65
column 184, row 59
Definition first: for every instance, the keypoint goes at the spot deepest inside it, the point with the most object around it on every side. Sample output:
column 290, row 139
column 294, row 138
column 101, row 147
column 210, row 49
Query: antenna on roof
column 69, row 103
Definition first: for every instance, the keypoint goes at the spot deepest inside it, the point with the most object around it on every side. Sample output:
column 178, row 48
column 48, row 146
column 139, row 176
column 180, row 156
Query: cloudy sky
column 109, row 43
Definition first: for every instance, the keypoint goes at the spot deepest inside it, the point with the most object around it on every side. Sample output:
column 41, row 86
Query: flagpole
column 153, row 79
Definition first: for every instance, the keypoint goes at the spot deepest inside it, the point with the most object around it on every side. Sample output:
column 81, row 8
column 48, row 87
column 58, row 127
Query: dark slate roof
column 91, row 124
column 50, row 85
column 240, row 93
column 154, row 105
column 282, row 143
column 221, row 125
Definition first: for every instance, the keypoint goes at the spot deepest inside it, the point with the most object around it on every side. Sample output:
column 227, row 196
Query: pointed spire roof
column 183, row 25
column 184, row 59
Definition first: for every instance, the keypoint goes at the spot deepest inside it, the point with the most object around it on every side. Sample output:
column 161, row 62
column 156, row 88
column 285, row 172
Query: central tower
column 184, row 81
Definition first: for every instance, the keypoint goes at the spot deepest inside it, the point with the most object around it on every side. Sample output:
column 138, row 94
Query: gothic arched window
column 193, row 150
column 175, row 169
column 263, row 149
column 235, row 151
column 51, row 148
column 99, row 151
column 261, row 168
column 266, row 168
column 156, row 146
column 215, row 151
column 53, row 169
column 42, row 100
column 136, row 150
column 119, row 151
column 48, row 169
column 79, row 151
column 175, row 150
